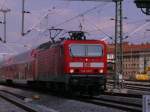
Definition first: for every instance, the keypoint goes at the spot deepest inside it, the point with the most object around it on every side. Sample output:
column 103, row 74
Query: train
column 75, row 63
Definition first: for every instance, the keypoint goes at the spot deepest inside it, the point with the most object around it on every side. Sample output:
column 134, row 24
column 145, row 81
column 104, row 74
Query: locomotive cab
column 86, row 59
column 85, row 64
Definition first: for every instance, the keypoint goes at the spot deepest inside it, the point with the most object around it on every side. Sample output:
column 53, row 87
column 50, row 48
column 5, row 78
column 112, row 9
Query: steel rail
column 124, row 95
column 120, row 105
column 17, row 102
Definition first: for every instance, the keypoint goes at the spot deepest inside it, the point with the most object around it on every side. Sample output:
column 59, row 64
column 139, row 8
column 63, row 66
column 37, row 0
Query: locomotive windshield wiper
column 71, row 52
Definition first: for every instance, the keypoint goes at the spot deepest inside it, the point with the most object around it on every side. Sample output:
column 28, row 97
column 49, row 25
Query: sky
column 94, row 16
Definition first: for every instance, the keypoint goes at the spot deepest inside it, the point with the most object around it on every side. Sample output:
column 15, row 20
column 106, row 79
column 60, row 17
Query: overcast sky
column 94, row 17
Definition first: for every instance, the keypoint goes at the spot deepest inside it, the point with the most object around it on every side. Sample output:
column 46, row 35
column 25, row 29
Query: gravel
column 51, row 103
column 8, row 107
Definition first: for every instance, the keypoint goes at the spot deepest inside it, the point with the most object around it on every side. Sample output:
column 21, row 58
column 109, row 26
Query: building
column 136, row 57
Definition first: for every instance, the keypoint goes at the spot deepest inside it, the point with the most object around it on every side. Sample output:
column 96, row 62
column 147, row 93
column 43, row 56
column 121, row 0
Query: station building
column 136, row 58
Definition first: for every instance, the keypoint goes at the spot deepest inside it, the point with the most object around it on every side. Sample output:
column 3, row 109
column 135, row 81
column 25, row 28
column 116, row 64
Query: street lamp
column 144, row 5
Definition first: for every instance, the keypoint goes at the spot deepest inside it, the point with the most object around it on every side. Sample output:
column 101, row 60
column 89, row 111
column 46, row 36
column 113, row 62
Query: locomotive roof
column 26, row 56
column 48, row 44
column 45, row 45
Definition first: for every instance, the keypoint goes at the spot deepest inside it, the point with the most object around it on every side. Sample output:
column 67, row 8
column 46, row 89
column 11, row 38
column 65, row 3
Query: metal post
column 121, row 40
column 4, row 27
column 22, row 31
column 146, row 103
column 116, row 39
column 4, row 21
column 118, row 35
column 23, row 19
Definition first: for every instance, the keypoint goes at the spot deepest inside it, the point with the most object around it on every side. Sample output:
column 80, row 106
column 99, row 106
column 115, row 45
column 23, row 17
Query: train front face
column 86, row 64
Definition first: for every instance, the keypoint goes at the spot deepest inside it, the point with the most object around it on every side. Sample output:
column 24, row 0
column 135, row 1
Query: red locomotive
column 73, row 63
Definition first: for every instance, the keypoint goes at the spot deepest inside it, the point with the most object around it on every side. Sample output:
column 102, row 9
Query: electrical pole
column 23, row 19
column 118, row 49
column 4, row 11
column 22, row 30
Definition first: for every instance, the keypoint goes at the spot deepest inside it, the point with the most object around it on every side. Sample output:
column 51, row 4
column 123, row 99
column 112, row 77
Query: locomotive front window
column 82, row 50
column 77, row 50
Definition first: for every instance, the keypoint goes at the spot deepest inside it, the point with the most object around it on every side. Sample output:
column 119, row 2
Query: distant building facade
column 136, row 57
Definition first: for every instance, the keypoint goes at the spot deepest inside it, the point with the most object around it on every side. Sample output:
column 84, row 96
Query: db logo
column 86, row 64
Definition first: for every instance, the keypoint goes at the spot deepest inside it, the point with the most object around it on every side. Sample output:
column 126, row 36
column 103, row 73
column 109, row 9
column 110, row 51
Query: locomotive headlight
column 101, row 71
column 71, row 70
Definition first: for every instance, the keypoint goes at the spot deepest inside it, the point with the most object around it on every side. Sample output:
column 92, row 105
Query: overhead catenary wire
column 45, row 16
column 137, row 29
column 35, row 25
column 98, row 29
column 79, row 15
column 135, row 21
column 126, row 35
column 66, row 21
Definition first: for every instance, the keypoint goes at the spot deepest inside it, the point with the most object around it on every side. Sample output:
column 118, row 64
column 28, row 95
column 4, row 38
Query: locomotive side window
column 82, row 50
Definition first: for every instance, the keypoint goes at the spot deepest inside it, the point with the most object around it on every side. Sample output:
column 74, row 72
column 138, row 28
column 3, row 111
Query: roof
column 144, row 47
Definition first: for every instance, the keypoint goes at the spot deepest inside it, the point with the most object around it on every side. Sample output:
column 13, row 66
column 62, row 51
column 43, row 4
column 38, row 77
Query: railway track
column 117, row 102
column 134, row 86
column 12, row 98
column 13, row 94
column 123, row 95
column 137, row 83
